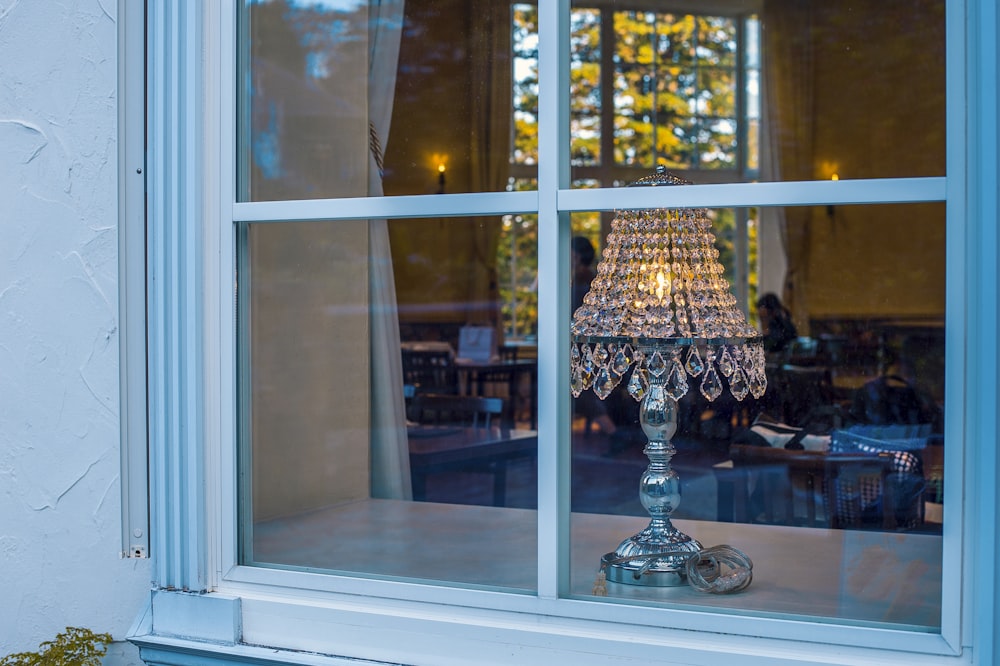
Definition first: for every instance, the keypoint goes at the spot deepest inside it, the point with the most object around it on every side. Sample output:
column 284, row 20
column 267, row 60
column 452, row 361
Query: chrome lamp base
column 658, row 555
column 655, row 557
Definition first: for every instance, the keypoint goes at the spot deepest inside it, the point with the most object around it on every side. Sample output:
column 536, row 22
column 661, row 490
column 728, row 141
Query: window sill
column 799, row 574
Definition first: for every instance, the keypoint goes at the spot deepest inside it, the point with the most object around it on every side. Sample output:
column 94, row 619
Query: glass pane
column 525, row 48
column 348, row 99
column 387, row 428
column 675, row 79
column 585, row 93
column 859, row 93
column 866, row 86
column 830, row 480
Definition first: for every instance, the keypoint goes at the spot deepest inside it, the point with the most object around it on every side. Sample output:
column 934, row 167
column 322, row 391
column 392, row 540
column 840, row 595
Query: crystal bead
column 588, row 360
column 758, row 384
column 738, row 384
column 694, row 364
column 600, row 355
column 677, row 385
column 604, row 383
column 621, row 361
column 711, row 385
column 638, row 384
column 577, row 384
column 726, row 365
column 657, row 365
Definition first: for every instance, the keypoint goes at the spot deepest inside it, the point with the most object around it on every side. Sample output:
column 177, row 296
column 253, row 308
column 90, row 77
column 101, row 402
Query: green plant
column 73, row 647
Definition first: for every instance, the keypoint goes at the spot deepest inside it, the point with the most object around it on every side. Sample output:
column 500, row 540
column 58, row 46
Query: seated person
column 776, row 323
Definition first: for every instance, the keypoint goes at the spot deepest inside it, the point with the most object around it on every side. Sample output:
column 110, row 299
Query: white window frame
column 192, row 396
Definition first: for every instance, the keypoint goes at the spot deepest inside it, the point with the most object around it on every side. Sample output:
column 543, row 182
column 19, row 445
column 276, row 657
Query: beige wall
column 439, row 263
column 310, row 364
column 880, row 112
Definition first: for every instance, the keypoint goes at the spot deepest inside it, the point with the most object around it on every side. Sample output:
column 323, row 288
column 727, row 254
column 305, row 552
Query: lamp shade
column 660, row 306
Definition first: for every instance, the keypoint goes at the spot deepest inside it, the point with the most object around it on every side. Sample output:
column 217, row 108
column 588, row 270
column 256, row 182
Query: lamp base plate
column 655, row 557
column 623, row 572
column 633, row 575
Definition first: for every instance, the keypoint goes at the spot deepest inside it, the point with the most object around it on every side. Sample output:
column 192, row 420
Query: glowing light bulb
column 661, row 284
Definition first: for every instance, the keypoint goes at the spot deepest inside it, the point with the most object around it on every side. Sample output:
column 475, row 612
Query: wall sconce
column 829, row 208
column 829, row 169
column 440, row 162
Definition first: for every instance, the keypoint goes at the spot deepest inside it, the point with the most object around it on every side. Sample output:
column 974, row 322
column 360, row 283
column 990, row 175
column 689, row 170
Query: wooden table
column 442, row 448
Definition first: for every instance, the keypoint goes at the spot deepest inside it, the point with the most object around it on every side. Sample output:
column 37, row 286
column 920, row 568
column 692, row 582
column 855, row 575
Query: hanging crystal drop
column 638, row 384
column 621, row 361
column 694, row 364
column 657, row 365
column 738, row 385
column 604, row 383
column 588, row 360
column 577, row 384
column 600, row 355
column 726, row 365
column 758, row 383
column 574, row 355
column 711, row 385
column 677, row 385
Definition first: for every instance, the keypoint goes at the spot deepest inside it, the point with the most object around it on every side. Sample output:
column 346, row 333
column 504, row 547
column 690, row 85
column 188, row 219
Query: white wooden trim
column 226, row 473
column 982, row 396
column 956, row 591
column 176, row 243
column 443, row 205
column 132, row 279
column 553, row 300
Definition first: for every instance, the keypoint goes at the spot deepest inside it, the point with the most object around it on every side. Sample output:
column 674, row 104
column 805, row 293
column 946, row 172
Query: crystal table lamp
column 660, row 307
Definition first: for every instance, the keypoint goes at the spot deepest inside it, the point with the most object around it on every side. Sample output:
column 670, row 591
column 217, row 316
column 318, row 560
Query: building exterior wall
column 59, row 330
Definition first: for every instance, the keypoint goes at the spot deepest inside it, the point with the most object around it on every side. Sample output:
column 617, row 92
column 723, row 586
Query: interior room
column 408, row 309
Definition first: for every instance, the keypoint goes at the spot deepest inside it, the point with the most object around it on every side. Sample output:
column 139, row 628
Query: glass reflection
column 843, row 453
column 387, row 429
column 349, row 99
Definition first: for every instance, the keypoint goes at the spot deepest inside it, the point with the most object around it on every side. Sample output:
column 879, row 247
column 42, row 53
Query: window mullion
column 553, row 299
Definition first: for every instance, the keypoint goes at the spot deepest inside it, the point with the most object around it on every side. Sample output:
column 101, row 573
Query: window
column 321, row 210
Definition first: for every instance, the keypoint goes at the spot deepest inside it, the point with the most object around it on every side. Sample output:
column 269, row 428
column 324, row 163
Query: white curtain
column 390, row 462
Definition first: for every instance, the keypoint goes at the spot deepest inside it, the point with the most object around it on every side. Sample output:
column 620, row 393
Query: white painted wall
column 59, row 414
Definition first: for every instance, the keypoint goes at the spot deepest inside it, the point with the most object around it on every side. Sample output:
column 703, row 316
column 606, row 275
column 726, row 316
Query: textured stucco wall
column 59, row 414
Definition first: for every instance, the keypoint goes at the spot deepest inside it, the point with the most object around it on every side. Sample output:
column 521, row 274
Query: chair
column 800, row 389
column 812, row 488
column 467, row 411
column 430, row 370
column 857, row 491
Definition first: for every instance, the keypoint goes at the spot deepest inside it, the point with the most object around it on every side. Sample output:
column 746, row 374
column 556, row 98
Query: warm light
column 438, row 162
column 828, row 170
column 661, row 285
